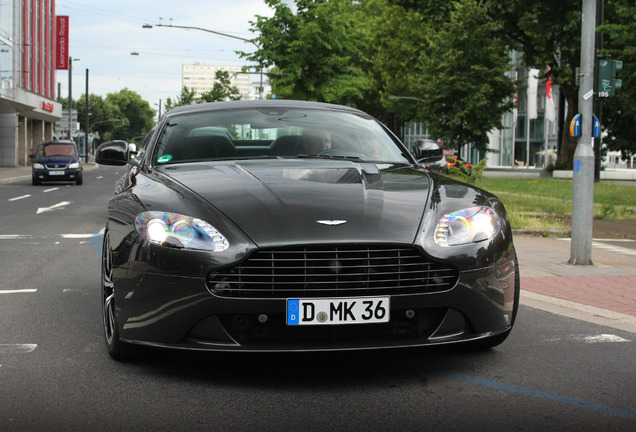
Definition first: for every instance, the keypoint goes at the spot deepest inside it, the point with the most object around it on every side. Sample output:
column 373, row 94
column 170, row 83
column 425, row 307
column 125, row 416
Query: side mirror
column 427, row 151
column 112, row 153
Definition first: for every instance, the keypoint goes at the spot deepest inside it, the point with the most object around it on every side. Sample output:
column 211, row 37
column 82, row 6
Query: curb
column 579, row 311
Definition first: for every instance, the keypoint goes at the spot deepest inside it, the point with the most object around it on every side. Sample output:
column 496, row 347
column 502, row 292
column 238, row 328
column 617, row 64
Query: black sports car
column 292, row 226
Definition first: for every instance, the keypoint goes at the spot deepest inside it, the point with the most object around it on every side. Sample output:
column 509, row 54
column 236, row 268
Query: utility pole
column 70, row 98
column 86, row 149
column 583, row 180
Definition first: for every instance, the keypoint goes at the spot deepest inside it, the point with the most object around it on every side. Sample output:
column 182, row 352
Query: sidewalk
column 603, row 293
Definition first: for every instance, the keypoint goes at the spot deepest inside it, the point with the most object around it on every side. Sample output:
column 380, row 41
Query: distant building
column 200, row 78
column 512, row 146
column 28, row 108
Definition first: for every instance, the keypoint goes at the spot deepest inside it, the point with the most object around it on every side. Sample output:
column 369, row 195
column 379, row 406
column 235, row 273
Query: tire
column 493, row 341
column 80, row 181
column 117, row 349
column 35, row 182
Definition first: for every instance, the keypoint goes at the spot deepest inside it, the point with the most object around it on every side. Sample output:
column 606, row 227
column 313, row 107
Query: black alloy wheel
column 116, row 349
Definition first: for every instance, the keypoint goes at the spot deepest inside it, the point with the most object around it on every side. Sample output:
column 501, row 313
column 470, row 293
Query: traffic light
column 607, row 84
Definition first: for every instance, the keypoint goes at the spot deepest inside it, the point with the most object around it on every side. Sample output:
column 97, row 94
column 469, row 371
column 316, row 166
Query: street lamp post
column 260, row 91
column 70, row 96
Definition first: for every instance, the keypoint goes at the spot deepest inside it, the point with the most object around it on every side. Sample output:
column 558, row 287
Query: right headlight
column 180, row 231
column 38, row 166
column 470, row 225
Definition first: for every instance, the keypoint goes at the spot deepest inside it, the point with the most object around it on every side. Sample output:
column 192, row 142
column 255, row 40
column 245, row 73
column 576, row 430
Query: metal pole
column 70, row 96
column 583, row 181
column 86, row 151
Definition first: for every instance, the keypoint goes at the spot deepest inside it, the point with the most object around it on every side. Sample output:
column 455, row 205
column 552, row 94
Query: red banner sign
column 61, row 57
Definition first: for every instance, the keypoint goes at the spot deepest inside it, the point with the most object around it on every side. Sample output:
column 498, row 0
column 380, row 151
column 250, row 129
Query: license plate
column 358, row 310
column 54, row 173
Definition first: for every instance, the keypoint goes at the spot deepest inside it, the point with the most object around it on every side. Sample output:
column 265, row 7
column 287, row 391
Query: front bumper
column 180, row 312
column 57, row 174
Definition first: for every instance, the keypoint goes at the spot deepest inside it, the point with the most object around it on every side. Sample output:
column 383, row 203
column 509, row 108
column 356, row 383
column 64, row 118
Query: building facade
column 200, row 78
column 530, row 132
column 28, row 109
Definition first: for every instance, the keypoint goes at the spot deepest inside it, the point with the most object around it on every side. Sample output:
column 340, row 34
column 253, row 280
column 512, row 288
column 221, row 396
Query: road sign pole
column 583, row 180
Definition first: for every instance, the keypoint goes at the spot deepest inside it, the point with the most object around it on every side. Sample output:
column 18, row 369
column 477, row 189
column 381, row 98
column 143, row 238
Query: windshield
column 276, row 133
column 57, row 149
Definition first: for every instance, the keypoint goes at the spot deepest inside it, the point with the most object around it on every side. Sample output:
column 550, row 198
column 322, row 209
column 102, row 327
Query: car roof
column 257, row 104
column 57, row 142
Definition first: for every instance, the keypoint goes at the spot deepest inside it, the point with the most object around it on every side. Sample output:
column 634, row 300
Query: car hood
column 311, row 201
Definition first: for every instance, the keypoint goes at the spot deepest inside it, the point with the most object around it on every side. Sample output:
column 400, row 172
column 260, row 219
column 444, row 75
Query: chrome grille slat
column 339, row 271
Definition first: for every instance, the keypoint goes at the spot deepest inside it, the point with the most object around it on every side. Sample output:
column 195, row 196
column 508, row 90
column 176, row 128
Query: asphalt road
column 553, row 373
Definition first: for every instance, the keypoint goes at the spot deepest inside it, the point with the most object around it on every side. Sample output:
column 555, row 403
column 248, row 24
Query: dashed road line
column 19, row 198
column 17, row 348
column 50, row 190
column 18, row 291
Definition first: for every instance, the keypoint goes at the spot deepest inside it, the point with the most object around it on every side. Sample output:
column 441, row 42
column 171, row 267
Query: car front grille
column 332, row 271
column 56, row 166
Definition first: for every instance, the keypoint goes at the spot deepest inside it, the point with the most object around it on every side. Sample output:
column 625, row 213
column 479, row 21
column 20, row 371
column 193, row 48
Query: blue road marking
column 538, row 394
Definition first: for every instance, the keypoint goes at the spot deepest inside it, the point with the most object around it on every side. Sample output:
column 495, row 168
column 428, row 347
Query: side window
column 144, row 145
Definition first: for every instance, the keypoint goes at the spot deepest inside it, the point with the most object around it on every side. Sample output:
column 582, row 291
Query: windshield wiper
column 306, row 156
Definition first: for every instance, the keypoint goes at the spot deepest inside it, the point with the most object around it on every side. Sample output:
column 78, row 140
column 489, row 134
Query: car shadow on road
column 304, row 371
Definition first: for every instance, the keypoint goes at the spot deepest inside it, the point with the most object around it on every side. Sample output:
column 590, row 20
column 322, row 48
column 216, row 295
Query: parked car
column 56, row 161
column 331, row 236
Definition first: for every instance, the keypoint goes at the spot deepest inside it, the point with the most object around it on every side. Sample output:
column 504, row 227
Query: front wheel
column 117, row 349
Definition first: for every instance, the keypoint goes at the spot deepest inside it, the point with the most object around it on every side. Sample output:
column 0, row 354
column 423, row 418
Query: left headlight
column 176, row 230
column 74, row 165
column 465, row 226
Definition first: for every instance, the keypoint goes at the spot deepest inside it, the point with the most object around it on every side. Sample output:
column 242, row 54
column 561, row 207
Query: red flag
column 550, row 113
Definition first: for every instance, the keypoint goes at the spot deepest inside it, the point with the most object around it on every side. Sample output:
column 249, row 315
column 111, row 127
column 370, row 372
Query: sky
column 103, row 34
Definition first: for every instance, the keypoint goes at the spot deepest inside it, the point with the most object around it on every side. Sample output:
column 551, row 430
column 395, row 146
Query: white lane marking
column 18, row 291
column 602, row 338
column 100, row 177
column 612, row 248
column 53, row 207
column 17, row 348
column 50, row 190
column 19, row 198
column 78, row 236
column 14, row 237
column 597, row 243
column 56, row 236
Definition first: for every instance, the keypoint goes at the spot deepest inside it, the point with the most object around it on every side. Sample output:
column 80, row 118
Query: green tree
column 619, row 112
column 443, row 63
column 462, row 77
column 320, row 53
column 137, row 114
column 185, row 98
column 101, row 117
column 222, row 89
column 548, row 33
column 399, row 42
